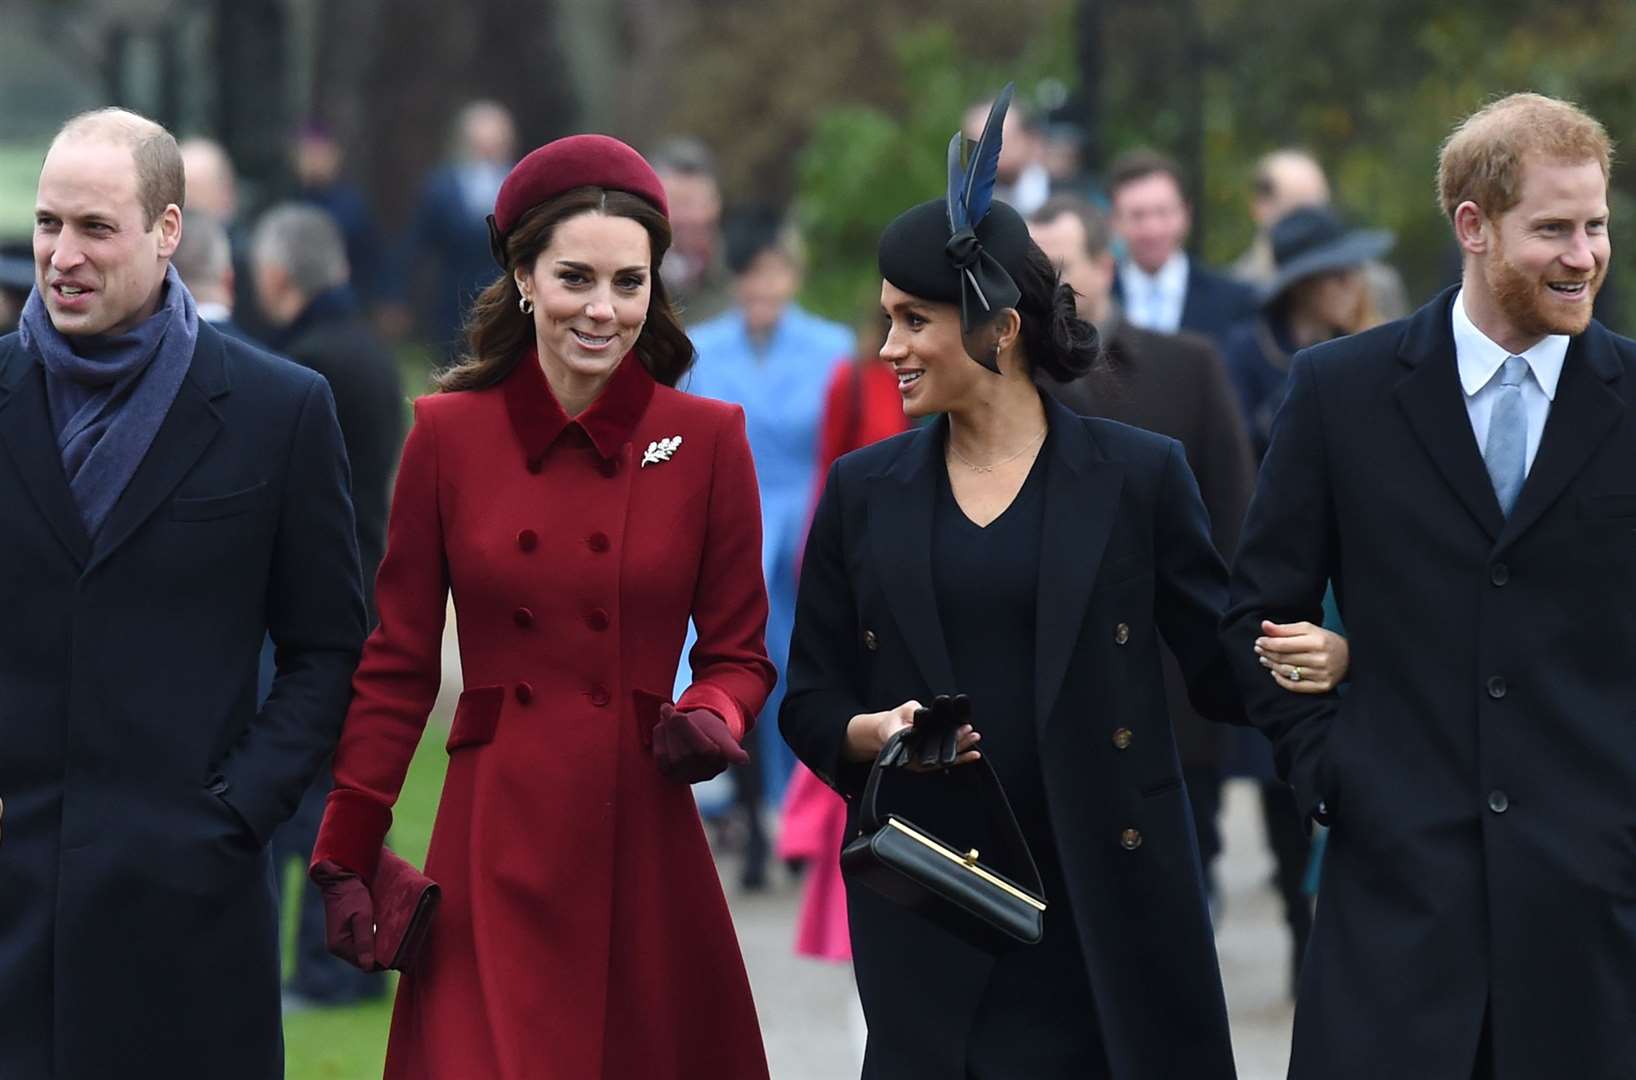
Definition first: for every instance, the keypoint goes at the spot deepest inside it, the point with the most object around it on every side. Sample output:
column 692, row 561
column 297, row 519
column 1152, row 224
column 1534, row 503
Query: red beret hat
column 576, row 161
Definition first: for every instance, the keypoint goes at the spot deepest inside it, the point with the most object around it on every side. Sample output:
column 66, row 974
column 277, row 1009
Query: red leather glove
column 693, row 745
column 349, row 915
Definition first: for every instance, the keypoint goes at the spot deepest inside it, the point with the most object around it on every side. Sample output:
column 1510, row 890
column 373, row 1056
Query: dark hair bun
column 1058, row 342
column 1076, row 343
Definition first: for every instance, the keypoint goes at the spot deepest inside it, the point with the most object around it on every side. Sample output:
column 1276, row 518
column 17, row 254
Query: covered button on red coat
column 596, row 619
column 524, row 693
column 600, row 696
column 598, row 542
column 523, row 617
column 528, row 539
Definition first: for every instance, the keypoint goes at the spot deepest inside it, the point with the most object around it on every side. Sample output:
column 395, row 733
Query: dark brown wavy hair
column 497, row 331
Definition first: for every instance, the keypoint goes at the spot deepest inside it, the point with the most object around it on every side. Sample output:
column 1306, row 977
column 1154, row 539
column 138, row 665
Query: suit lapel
column 26, row 431
column 1081, row 504
column 901, row 504
column 1432, row 399
column 1585, row 410
column 188, row 428
column 1193, row 298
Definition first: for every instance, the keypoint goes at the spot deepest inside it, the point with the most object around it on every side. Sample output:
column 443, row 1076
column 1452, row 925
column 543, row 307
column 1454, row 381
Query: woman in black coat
column 1031, row 559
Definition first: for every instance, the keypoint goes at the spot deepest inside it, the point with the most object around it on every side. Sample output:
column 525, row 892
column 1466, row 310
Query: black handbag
column 958, row 891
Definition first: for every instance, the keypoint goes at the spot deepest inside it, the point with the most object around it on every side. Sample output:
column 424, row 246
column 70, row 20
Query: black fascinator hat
column 964, row 248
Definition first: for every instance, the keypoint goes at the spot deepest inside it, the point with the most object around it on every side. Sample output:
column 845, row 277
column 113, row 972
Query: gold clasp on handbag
column 970, row 857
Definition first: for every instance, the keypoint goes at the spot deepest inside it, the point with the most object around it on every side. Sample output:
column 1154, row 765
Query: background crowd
column 1222, row 186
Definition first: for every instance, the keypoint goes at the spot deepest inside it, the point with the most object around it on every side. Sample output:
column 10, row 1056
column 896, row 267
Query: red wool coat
column 583, row 932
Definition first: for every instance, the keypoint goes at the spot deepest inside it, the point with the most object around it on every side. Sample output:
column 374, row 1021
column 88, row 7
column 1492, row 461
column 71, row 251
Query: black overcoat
column 137, row 923
column 1125, row 557
column 1177, row 385
column 1480, row 774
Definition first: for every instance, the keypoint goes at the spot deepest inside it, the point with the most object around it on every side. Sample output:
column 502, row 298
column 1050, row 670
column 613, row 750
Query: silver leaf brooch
column 660, row 450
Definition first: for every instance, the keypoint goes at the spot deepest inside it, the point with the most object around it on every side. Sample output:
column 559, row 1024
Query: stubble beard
column 1525, row 301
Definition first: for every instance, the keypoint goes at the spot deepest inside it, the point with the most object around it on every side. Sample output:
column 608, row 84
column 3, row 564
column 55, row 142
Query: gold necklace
column 974, row 467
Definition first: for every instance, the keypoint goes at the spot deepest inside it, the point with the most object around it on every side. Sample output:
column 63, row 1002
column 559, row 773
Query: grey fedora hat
column 1314, row 240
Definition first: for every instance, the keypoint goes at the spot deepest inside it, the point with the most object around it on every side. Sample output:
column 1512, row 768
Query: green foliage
column 864, row 165
column 1371, row 88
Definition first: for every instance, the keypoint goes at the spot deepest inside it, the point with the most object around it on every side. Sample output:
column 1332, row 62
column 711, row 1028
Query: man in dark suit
column 1464, row 478
column 449, row 238
column 1159, row 287
column 204, row 262
column 172, row 496
column 299, row 260
column 1175, row 385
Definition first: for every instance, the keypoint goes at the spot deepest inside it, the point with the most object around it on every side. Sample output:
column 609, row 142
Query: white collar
column 212, row 312
column 1171, row 277
column 1479, row 356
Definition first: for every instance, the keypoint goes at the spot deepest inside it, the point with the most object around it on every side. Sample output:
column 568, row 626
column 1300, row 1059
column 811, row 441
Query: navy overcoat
column 1479, row 776
column 1125, row 561
column 138, row 935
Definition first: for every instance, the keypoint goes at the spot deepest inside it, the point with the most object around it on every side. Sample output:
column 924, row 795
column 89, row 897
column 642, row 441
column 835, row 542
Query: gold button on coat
column 870, row 641
column 1121, row 633
column 1130, row 839
column 1122, row 738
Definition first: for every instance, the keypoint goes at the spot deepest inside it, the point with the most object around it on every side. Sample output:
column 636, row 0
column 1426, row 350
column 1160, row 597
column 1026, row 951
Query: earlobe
column 170, row 231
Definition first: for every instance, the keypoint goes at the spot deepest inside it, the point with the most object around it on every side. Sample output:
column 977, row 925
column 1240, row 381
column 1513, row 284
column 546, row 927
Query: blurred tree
column 865, row 163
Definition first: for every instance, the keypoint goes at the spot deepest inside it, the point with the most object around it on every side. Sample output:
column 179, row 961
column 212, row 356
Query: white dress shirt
column 1155, row 301
column 1480, row 359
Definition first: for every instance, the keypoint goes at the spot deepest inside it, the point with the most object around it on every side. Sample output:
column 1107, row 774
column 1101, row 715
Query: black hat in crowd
column 1313, row 240
column 964, row 248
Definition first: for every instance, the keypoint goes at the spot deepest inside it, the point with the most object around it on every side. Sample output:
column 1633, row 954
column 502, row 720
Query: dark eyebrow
column 587, row 268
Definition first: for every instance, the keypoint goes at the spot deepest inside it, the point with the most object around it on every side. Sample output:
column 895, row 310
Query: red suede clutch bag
column 405, row 901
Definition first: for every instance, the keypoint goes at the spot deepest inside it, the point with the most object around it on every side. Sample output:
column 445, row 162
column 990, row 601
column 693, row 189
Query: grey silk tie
column 1506, row 453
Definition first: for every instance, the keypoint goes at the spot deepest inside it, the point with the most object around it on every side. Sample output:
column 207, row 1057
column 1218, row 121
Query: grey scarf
column 108, row 395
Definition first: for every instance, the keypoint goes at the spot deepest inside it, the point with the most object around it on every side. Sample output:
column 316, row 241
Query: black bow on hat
column 966, row 248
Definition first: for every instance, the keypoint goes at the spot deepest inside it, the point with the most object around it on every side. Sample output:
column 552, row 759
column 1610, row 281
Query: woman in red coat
column 579, row 510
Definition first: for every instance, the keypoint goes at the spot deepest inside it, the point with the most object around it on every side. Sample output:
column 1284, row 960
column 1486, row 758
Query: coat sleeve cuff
column 705, row 696
column 353, row 831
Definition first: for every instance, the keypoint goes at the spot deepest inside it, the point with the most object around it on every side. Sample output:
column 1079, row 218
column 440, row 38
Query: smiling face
column 99, row 265
column 590, row 288
column 924, row 347
column 1545, row 258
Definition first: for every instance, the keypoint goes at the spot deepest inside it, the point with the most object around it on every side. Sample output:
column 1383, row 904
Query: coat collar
column 1583, row 413
column 189, row 427
column 538, row 420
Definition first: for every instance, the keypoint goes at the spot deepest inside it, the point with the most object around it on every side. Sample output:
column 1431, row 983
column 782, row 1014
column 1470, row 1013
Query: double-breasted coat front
column 583, row 932
column 1125, row 558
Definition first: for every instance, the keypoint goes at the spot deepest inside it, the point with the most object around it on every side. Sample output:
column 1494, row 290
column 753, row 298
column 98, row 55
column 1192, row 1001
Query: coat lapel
column 901, row 504
column 188, row 428
column 1081, row 503
column 26, row 431
column 1585, row 410
column 1431, row 398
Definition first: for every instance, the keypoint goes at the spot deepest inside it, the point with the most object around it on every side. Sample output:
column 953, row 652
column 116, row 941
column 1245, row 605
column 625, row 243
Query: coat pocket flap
column 476, row 715
column 208, row 507
column 647, row 714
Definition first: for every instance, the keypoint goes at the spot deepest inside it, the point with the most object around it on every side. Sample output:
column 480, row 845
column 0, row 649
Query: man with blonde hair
column 1464, row 478
column 171, row 497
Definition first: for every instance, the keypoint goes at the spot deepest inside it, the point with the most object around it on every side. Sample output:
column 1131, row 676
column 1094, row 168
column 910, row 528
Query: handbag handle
column 996, row 806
